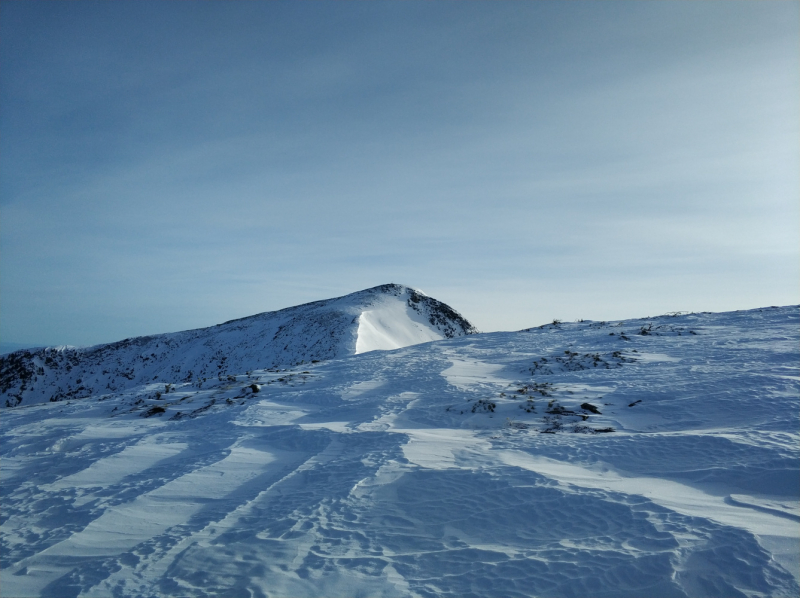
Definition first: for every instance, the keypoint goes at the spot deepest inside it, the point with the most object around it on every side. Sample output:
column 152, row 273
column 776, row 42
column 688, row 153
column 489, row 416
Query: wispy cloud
column 174, row 165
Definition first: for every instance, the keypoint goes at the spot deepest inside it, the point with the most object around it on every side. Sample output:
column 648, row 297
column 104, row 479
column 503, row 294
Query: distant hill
column 385, row 317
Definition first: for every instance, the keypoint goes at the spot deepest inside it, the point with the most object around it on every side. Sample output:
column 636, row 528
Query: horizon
column 10, row 347
column 168, row 167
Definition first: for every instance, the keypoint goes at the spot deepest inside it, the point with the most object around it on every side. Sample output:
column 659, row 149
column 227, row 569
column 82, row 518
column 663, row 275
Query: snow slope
column 385, row 317
column 654, row 457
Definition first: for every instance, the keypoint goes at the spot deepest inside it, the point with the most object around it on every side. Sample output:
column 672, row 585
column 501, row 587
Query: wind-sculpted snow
column 401, row 316
column 624, row 464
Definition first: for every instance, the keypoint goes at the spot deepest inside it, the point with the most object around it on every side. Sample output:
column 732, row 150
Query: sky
column 173, row 165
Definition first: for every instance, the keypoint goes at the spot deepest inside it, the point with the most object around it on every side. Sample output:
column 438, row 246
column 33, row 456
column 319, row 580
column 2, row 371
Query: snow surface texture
column 385, row 317
column 655, row 457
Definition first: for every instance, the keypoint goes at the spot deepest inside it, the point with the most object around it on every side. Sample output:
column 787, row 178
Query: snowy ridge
column 384, row 317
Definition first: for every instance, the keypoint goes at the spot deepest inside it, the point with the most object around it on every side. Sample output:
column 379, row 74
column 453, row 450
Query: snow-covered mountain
column 389, row 316
column 650, row 457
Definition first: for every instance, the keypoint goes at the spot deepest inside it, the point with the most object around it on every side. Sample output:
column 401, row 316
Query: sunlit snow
column 392, row 324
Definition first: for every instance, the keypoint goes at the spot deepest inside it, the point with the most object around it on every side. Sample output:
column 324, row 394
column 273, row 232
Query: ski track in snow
column 464, row 467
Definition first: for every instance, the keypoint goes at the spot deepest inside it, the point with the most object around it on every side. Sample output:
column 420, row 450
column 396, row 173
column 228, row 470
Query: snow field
column 460, row 467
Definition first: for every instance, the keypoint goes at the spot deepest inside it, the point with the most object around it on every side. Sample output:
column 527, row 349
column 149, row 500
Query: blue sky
column 170, row 165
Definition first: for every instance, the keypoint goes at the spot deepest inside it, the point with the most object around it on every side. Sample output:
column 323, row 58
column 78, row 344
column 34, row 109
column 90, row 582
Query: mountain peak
column 384, row 317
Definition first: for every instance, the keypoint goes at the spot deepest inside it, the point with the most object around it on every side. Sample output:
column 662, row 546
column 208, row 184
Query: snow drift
column 389, row 316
